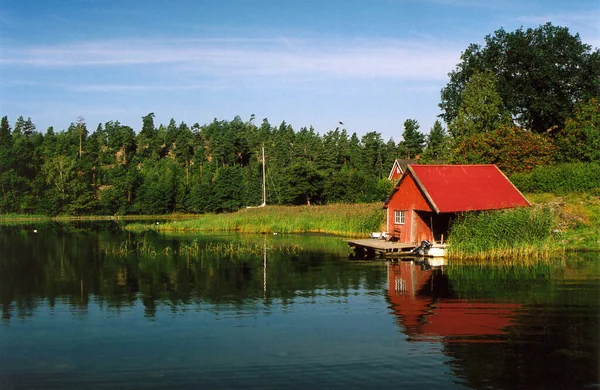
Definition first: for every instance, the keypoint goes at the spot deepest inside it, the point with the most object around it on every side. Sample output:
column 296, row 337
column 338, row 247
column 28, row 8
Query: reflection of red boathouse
column 425, row 318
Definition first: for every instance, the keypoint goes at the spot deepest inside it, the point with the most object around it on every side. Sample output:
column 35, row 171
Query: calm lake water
column 92, row 306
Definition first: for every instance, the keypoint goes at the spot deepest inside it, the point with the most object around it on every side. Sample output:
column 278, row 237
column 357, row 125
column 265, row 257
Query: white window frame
column 399, row 217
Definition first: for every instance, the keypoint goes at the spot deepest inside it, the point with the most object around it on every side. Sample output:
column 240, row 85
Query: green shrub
column 560, row 179
column 511, row 149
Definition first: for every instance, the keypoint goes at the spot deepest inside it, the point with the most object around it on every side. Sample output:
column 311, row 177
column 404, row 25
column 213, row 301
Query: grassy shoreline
column 553, row 226
column 574, row 225
column 352, row 220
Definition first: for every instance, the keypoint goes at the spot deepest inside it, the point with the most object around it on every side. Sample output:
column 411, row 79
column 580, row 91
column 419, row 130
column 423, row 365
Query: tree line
column 180, row 168
column 527, row 98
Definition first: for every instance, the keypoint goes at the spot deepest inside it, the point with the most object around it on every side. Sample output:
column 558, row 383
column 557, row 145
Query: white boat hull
column 437, row 251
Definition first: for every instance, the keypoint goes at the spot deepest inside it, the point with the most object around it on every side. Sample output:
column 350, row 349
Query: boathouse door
column 431, row 226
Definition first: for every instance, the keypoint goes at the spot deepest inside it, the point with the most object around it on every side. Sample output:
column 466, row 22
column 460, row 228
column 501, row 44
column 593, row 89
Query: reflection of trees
column 551, row 341
column 71, row 265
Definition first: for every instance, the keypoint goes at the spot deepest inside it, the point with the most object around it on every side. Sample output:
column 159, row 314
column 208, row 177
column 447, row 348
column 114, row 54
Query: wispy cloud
column 470, row 3
column 236, row 57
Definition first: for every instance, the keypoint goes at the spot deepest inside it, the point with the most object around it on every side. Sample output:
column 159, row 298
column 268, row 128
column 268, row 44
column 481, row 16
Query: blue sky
column 371, row 64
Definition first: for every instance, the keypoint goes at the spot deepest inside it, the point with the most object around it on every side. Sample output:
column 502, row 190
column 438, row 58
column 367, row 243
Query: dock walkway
column 371, row 246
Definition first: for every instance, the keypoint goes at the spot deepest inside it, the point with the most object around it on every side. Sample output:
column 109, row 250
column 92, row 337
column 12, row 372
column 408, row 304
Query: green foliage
column 541, row 73
column 176, row 168
column 481, row 107
column 413, row 141
column 511, row 149
column 304, row 185
column 218, row 167
column 505, row 231
column 560, row 179
column 438, row 144
column 580, row 140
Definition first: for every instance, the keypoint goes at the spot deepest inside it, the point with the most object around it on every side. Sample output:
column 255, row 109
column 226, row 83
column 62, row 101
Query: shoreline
column 575, row 227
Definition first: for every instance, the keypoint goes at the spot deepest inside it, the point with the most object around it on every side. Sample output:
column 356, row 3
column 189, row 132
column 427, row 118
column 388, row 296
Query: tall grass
column 338, row 219
column 515, row 233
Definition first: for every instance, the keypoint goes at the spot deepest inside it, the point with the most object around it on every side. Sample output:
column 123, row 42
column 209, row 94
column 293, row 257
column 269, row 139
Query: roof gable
column 399, row 167
column 457, row 188
column 396, row 171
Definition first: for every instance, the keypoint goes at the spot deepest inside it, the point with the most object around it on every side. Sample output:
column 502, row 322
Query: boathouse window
column 399, row 217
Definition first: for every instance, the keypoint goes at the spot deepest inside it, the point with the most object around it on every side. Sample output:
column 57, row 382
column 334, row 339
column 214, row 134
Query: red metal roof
column 457, row 188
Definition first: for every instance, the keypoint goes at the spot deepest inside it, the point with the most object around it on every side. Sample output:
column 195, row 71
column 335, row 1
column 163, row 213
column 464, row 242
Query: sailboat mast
column 264, row 183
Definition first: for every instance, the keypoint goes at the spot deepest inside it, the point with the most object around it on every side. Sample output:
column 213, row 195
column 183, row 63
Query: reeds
column 233, row 248
column 128, row 247
column 142, row 247
column 506, row 234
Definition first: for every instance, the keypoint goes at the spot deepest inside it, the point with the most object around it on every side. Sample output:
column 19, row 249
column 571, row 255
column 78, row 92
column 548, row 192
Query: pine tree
column 413, row 140
column 438, row 143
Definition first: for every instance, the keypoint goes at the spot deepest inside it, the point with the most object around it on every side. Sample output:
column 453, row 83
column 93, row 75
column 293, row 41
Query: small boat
column 428, row 249
column 437, row 250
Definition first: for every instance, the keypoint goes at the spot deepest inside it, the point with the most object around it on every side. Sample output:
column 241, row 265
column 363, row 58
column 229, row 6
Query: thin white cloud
column 277, row 57
column 492, row 4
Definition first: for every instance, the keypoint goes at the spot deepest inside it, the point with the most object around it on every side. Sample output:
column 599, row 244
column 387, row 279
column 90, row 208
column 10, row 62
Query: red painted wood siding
column 408, row 197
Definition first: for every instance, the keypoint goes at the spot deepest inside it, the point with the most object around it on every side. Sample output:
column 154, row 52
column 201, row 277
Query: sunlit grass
column 338, row 219
column 552, row 227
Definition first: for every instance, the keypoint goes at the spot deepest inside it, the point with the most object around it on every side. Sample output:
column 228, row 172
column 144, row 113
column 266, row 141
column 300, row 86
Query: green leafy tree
column 541, row 73
column 304, row 185
column 481, row 107
column 512, row 149
column 580, row 141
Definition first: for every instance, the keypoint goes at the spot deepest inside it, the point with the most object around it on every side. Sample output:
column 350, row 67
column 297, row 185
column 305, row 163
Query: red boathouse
column 428, row 196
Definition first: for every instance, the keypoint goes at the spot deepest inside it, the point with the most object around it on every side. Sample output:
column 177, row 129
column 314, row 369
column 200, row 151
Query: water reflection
column 78, row 266
column 505, row 327
column 421, row 297
column 76, row 312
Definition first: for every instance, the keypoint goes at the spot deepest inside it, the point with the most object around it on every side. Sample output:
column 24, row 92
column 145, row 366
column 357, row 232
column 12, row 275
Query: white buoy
column 35, row 230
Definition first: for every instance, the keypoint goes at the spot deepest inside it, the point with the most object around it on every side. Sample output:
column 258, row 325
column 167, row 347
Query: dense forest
column 525, row 99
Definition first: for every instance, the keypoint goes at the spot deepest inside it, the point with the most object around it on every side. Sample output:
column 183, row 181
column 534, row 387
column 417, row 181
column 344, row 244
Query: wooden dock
column 371, row 247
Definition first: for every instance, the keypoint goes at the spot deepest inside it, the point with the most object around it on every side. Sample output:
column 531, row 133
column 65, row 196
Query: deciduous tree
column 542, row 73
